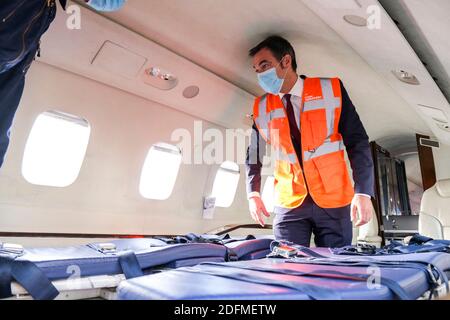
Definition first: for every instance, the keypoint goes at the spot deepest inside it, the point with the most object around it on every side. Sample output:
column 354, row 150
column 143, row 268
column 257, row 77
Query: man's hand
column 257, row 210
column 361, row 210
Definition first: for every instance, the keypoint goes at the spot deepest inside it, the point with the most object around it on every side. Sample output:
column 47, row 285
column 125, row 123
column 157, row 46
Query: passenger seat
column 434, row 218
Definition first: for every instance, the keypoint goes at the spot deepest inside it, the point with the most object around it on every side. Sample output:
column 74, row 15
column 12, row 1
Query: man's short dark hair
column 279, row 48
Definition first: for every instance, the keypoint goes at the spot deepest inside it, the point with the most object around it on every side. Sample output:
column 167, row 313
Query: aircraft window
column 225, row 184
column 55, row 149
column 160, row 171
column 268, row 193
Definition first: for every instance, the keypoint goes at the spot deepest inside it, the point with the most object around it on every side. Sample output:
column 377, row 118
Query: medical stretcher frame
column 129, row 258
column 119, row 259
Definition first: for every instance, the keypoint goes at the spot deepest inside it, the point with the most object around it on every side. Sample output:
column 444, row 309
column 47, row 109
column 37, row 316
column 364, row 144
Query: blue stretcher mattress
column 55, row 262
column 35, row 268
column 224, row 281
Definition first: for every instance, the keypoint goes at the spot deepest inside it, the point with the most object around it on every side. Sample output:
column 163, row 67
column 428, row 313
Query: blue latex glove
column 106, row 5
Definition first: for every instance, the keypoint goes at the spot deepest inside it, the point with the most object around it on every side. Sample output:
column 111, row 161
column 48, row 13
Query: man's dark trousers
column 331, row 227
column 22, row 23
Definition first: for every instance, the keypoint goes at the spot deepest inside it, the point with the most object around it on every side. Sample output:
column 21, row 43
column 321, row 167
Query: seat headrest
column 443, row 188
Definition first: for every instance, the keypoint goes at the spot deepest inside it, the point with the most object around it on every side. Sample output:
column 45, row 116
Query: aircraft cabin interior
column 126, row 170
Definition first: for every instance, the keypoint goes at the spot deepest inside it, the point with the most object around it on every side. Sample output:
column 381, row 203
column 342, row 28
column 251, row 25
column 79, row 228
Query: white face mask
column 269, row 81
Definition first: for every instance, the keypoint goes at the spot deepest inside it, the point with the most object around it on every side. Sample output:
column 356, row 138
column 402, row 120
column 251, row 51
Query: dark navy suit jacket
column 355, row 140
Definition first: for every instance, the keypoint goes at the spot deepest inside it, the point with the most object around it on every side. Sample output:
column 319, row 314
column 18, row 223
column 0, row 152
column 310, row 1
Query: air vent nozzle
column 406, row 77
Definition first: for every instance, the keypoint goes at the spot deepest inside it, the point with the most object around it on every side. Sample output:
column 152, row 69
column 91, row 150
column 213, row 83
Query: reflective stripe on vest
column 326, row 148
column 329, row 102
column 264, row 117
column 291, row 158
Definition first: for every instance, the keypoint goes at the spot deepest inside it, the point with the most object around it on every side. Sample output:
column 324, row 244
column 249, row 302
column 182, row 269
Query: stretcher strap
column 315, row 292
column 419, row 239
column 433, row 273
column 416, row 248
column 130, row 265
column 213, row 239
column 5, row 277
column 223, row 240
column 310, row 253
column 312, row 291
column 426, row 267
column 128, row 261
column 417, row 244
column 299, row 250
column 358, row 250
column 29, row 276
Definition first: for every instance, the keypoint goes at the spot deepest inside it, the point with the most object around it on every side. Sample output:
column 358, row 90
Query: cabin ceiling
column 423, row 23
column 216, row 35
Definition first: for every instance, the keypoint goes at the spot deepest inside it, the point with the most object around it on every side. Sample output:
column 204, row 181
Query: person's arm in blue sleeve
column 106, row 5
column 253, row 163
column 356, row 142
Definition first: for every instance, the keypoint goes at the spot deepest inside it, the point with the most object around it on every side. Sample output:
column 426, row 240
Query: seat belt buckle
column 107, row 248
column 366, row 248
column 283, row 251
column 11, row 248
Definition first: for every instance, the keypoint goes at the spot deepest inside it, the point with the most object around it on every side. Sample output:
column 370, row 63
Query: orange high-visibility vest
column 324, row 167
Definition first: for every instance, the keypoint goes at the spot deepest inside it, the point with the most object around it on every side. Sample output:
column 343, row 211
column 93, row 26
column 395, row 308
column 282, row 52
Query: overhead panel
column 121, row 61
column 107, row 52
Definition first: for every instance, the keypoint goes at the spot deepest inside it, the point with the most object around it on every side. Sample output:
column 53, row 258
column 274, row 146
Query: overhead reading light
column 354, row 20
column 157, row 73
column 406, row 77
column 160, row 78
